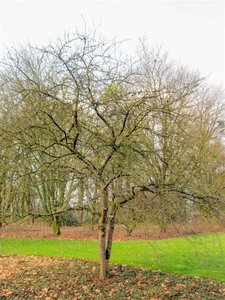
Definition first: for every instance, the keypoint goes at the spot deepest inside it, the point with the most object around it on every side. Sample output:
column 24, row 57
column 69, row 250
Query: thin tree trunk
column 102, row 235
column 81, row 200
column 110, row 237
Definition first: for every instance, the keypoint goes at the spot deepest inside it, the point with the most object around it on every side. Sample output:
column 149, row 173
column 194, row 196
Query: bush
column 68, row 219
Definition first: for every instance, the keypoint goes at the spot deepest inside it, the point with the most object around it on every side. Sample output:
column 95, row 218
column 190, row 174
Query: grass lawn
column 199, row 255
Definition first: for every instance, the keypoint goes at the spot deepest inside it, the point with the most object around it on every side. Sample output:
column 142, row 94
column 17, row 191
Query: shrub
column 68, row 219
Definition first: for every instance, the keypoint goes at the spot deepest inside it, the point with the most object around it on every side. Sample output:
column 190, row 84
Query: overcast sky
column 191, row 31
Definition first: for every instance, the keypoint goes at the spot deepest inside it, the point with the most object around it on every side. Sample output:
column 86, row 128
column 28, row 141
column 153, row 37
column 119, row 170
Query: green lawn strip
column 50, row 247
column 199, row 255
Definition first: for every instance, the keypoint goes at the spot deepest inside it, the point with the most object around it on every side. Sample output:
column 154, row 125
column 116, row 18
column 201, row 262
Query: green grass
column 199, row 255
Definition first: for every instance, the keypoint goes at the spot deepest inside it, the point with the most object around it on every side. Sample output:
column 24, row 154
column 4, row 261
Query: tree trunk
column 102, row 235
column 162, row 221
column 81, row 200
column 56, row 225
column 110, row 237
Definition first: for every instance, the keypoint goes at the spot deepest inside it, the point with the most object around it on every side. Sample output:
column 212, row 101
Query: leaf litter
column 32, row 277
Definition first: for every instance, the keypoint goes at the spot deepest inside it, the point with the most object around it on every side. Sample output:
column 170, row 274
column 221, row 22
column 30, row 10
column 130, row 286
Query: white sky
column 191, row 31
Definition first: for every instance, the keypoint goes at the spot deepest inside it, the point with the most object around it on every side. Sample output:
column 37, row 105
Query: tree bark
column 81, row 200
column 110, row 237
column 102, row 235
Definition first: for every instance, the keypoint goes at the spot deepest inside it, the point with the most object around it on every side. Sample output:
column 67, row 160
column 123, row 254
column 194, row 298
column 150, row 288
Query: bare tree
column 122, row 129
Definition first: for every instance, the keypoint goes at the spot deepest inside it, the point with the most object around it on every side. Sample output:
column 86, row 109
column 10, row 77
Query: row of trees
column 84, row 128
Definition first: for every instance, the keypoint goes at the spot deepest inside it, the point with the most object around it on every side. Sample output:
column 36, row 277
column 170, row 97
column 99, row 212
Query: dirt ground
column 144, row 231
